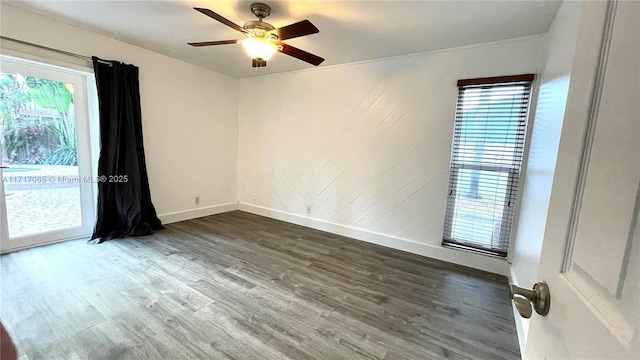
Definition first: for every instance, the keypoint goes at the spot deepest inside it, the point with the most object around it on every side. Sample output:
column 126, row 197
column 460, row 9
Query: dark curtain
column 124, row 198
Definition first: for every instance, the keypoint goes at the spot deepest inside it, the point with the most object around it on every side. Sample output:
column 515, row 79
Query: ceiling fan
column 262, row 39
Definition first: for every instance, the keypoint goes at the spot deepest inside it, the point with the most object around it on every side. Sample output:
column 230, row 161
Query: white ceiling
column 349, row 30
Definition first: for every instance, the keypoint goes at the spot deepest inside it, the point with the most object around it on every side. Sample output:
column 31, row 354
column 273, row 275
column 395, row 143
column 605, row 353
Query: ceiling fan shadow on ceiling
column 262, row 39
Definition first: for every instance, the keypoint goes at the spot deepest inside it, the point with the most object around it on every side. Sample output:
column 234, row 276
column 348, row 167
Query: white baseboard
column 522, row 324
column 196, row 213
column 480, row 262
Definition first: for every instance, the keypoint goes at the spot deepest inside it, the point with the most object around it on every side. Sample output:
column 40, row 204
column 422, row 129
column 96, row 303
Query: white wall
column 189, row 114
column 366, row 146
column 543, row 150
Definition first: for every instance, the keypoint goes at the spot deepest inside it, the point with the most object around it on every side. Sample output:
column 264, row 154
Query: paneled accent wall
column 365, row 145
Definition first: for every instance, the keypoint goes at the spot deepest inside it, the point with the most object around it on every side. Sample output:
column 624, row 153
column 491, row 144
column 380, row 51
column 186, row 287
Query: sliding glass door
column 47, row 188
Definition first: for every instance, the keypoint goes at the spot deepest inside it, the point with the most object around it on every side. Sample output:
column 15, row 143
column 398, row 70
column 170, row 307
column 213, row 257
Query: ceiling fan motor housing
column 250, row 25
column 260, row 28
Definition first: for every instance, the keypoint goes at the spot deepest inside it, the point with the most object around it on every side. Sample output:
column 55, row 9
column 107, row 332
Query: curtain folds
column 124, row 198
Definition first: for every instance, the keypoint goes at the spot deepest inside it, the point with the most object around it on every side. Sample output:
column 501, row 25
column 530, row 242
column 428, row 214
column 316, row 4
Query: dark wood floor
column 240, row 286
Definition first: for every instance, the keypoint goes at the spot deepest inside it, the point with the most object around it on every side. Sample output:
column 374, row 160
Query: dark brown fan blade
column 300, row 54
column 209, row 43
column 218, row 17
column 301, row 28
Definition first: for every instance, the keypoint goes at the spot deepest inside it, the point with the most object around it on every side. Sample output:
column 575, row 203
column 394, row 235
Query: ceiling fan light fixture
column 262, row 40
column 259, row 48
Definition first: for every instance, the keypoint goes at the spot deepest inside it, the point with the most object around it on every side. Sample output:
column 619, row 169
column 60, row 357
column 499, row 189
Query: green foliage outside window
column 37, row 121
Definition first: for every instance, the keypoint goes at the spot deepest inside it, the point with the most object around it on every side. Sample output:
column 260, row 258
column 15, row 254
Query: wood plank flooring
column 241, row 286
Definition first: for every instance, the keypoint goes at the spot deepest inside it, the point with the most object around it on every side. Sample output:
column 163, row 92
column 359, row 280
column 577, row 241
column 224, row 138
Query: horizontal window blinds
column 488, row 146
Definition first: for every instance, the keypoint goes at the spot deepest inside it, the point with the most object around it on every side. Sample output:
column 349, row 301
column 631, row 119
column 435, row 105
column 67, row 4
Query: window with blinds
column 488, row 146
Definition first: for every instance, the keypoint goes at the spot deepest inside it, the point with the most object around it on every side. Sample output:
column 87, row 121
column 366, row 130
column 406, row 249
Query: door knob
column 539, row 299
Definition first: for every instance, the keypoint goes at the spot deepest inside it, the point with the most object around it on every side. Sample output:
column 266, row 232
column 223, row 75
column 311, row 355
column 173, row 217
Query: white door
column 47, row 189
column 591, row 251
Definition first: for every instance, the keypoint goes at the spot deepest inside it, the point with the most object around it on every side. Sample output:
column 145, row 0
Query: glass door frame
column 84, row 106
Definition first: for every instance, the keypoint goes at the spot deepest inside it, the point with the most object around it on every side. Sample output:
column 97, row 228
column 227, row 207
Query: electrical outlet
column 197, row 199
